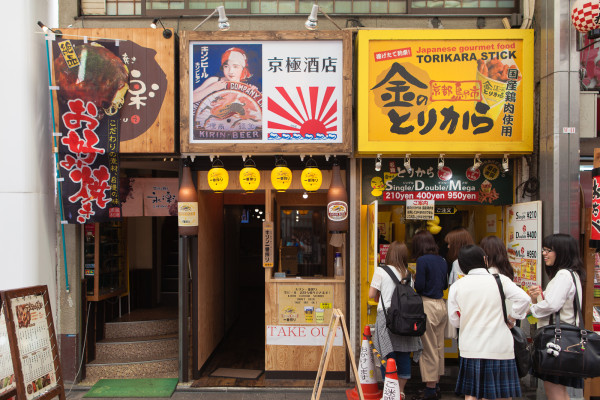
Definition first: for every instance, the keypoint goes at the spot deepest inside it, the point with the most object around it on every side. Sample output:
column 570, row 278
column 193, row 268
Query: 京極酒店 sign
column 445, row 91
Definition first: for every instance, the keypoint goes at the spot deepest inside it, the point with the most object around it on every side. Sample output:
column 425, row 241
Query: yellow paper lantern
column 311, row 177
column 218, row 177
column 249, row 176
column 281, row 176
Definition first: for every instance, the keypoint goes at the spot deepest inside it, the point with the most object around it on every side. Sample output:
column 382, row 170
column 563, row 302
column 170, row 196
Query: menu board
column 305, row 304
column 8, row 385
column 31, row 337
column 524, row 242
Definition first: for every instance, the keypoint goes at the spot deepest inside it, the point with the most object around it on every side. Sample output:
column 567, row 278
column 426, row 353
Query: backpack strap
column 497, row 277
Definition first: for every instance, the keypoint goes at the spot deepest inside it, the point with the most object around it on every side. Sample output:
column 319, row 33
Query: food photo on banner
column 258, row 92
column 108, row 91
column 455, row 183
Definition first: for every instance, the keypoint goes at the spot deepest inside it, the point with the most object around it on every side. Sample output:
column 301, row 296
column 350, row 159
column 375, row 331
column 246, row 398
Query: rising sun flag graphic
column 303, row 114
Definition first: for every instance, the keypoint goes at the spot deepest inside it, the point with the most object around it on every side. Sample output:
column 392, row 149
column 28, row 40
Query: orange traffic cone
column 366, row 371
column 391, row 387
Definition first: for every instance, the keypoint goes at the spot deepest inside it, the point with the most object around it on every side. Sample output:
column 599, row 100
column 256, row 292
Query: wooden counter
column 296, row 354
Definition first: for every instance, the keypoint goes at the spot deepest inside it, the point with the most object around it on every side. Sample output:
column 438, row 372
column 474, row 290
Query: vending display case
column 105, row 260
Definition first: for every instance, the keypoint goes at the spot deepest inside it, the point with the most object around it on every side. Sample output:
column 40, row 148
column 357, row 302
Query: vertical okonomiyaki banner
column 266, row 92
column 93, row 82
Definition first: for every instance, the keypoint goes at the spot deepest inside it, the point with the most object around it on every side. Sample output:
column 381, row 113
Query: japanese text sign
column 258, row 93
column 445, row 91
column 524, row 242
column 311, row 304
column 455, row 183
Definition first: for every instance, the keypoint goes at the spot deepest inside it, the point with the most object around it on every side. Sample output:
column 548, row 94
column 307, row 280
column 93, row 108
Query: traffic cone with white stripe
column 366, row 371
column 391, row 386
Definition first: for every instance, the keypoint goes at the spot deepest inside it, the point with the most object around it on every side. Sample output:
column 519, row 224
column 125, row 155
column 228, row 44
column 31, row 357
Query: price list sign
column 524, row 242
column 31, row 335
column 7, row 375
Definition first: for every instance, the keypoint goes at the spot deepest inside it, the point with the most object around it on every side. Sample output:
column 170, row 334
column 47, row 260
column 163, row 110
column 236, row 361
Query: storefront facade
column 355, row 280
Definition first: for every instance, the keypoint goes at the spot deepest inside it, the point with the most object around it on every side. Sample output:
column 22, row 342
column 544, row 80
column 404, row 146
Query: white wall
column 28, row 231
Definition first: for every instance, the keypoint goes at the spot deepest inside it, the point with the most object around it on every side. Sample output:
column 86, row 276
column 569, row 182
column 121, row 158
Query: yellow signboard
column 445, row 91
column 304, row 304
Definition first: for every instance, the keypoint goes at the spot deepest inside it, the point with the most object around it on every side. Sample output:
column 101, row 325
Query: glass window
column 303, row 241
column 288, row 7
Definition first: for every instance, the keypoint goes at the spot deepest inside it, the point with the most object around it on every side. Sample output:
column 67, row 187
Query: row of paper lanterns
column 281, row 176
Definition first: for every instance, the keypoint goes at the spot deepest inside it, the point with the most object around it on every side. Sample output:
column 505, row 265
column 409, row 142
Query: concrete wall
column 28, row 229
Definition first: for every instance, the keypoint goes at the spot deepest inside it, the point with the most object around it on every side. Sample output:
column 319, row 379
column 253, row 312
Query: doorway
column 243, row 344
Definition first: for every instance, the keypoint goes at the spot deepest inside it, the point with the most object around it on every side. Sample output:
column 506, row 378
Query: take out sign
column 308, row 335
column 445, row 91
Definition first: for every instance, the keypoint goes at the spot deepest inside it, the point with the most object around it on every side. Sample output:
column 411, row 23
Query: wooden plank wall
column 160, row 137
column 301, row 358
column 210, row 285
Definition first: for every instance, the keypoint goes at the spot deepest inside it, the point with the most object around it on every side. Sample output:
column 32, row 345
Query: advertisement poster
column 109, row 91
column 524, row 242
column 305, row 304
column 455, row 183
column 445, row 91
column 7, row 374
column 35, row 346
column 266, row 92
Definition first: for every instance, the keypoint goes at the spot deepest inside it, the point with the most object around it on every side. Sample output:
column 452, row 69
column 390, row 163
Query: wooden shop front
column 295, row 94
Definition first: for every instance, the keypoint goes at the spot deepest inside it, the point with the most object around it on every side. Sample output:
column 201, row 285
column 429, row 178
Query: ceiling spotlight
column 407, row 164
column 441, row 161
column 378, row 163
column 476, row 162
column 505, row 163
column 223, row 20
column 44, row 27
column 167, row 33
column 311, row 22
column 305, row 195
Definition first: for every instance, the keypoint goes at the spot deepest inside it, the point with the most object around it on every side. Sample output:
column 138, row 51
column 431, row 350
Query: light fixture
column 167, row 33
column 441, row 161
column 378, row 163
column 249, row 176
column 407, row 164
column 305, row 195
column 311, row 177
column 223, row 20
column 281, row 176
column 505, row 164
column 218, row 177
column 46, row 29
column 311, row 22
column 476, row 162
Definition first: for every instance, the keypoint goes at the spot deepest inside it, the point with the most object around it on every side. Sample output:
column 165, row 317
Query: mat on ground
column 236, row 373
column 155, row 387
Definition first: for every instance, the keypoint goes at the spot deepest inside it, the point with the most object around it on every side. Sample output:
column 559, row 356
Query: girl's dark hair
column 497, row 256
column 567, row 254
column 397, row 256
column 457, row 238
column 423, row 243
column 470, row 257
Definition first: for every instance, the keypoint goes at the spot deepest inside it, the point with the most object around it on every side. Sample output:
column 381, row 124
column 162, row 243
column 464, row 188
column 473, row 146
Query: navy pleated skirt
column 490, row 379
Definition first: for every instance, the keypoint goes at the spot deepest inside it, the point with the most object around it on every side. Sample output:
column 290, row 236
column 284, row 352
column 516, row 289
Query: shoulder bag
column 521, row 344
column 567, row 350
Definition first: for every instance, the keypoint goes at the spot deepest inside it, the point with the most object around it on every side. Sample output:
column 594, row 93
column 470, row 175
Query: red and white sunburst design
column 303, row 114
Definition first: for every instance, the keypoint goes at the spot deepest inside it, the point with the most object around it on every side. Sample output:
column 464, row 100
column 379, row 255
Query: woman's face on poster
column 234, row 66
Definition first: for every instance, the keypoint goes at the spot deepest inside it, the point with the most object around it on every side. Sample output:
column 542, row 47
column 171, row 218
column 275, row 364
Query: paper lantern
column 584, row 15
column 281, row 176
column 218, row 177
column 249, row 176
column 311, row 177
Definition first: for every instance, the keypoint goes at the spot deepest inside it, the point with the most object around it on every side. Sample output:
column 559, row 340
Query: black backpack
column 406, row 315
